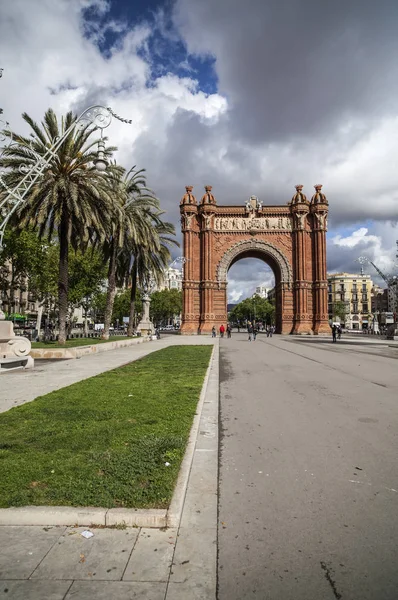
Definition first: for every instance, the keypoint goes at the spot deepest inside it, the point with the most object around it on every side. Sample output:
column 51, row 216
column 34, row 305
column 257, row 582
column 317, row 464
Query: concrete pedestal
column 14, row 350
column 145, row 326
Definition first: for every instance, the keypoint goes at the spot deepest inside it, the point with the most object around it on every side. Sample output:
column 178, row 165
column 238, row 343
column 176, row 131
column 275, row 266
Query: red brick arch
column 291, row 239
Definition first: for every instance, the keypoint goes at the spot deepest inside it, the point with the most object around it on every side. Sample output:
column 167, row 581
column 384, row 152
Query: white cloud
column 181, row 135
column 360, row 236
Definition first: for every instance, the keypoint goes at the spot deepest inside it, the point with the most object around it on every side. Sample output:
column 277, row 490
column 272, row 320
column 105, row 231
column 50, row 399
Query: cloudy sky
column 251, row 101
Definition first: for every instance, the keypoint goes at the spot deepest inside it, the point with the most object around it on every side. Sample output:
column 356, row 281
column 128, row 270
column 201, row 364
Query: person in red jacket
column 222, row 331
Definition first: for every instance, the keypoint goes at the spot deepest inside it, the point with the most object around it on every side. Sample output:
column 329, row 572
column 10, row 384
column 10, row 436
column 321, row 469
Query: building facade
column 354, row 293
column 172, row 279
column 261, row 291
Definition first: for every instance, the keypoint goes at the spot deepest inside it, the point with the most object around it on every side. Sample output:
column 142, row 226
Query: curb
column 177, row 501
column 79, row 351
column 130, row 517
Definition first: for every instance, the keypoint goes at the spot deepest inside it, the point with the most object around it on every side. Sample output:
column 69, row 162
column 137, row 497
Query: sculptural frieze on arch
column 290, row 238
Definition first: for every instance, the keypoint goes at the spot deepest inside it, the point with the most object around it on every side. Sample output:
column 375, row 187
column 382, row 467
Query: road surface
column 308, row 490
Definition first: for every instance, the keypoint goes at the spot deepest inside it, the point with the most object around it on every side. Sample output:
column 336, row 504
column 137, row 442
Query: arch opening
column 267, row 253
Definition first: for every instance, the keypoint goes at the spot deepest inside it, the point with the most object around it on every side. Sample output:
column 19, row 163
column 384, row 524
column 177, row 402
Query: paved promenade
column 58, row 563
column 308, row 485
column 308, row 490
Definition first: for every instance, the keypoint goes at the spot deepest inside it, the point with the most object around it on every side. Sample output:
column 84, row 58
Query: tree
column 71, row 198
column 129, row 226
column 150, row 258
column 87, row 273
column 339, row 310
column 29, row 264
column 165, row 304
column 254, row 308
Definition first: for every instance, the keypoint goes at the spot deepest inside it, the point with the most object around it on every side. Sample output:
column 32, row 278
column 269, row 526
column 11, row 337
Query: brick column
column 190, row 286
column 319, row 210
column 207, row 316
column 302, row 320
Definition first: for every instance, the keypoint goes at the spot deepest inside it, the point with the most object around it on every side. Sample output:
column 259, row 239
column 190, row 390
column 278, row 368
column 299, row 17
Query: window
column 355, row 307
column 364, row 297
column 354, row 297
column 365, row 308
column 364, row 287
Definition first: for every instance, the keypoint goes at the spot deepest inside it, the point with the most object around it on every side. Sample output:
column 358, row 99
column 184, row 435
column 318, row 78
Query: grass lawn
column 105, row 441
column 78, row 342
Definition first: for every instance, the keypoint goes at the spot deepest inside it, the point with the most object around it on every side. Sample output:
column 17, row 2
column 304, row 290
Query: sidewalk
column 58, row 563
column 18, row 387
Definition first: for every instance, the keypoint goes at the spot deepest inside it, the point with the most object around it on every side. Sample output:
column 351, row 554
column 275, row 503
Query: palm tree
column 130, row 223
column 70, row 199
column 149, row 258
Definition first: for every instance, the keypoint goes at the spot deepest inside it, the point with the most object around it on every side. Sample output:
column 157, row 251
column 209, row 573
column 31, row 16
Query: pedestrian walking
column 339, row 332
column 334, row 333
column 229, row 330
column 222, row 331
column 213, row 332
column 250, row 331
column 254, row 333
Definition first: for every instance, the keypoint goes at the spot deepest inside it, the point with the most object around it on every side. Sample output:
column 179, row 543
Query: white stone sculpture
column 14, row 349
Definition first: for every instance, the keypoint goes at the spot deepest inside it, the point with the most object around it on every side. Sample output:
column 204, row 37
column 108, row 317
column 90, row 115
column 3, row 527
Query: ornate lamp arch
column 265, row 248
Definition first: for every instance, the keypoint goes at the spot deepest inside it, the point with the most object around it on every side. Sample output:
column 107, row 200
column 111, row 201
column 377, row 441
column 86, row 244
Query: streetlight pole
column 98, row 116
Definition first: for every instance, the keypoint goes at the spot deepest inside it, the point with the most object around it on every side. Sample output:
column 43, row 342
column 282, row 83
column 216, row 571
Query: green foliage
column 254, row 308
column 104, row 441
column 339, row 310
column 164, row 305
column 70, row 198
column 27, row 261
column 87, row 273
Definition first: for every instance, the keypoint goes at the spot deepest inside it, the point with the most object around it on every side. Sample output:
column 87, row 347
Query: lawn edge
column 51, row 516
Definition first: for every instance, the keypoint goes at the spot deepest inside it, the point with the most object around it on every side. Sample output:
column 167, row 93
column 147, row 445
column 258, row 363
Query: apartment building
column 355, row 291
column 261, row 291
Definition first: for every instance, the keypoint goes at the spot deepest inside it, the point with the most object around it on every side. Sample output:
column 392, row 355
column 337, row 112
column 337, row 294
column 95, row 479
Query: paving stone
column 23, row 548
column 120, row 590
column 190, row 591
column 200, row 510
column 103, row 556
column 195, row 557
column 152, row 556
column 33, row 590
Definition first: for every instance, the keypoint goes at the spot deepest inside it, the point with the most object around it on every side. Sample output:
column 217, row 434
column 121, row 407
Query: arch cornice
column 260, row 246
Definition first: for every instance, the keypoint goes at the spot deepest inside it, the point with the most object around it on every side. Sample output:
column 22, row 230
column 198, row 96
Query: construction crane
column 391, row 281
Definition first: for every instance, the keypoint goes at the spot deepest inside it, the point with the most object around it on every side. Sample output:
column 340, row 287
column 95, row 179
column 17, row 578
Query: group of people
column 252, row 330
column 228, row 331
column 336, row 332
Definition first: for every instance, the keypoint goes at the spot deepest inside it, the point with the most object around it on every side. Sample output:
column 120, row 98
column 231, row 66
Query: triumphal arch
column 291, row 239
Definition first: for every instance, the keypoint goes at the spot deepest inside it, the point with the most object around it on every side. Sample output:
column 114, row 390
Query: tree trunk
column 38, row 320
column 111, row 292
column 63, row 275
column 85, row 321
column 130, row 328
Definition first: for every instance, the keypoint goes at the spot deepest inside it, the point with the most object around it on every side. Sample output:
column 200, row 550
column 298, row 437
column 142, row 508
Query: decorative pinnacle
column 189, row 188
column 318, row 187
column 299, row 187
column 208, row 188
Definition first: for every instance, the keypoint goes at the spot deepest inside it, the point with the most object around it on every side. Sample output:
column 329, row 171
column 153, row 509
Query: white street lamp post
column 99, row 116
column 145, row 326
